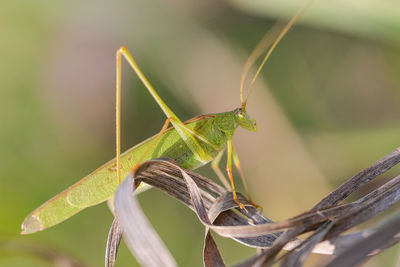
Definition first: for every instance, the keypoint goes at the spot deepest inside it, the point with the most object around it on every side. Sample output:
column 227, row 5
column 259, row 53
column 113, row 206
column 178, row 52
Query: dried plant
column 217, row 211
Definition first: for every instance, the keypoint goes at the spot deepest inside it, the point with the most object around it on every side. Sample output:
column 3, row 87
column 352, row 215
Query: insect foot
column 241, row 205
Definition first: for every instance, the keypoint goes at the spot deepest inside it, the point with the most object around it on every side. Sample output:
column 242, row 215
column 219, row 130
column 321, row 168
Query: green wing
column 95, row 188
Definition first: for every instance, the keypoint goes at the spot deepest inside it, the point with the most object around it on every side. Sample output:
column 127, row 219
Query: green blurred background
column 327, row 106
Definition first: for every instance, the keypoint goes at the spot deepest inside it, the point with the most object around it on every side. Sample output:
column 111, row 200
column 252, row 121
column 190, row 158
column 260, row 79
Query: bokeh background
column 327, row 105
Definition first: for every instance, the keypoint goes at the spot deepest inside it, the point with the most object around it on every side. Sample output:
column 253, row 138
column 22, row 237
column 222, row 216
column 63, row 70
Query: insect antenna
column 264, row 43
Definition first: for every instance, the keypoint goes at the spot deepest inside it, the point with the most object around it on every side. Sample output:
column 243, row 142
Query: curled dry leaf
column 218, row 212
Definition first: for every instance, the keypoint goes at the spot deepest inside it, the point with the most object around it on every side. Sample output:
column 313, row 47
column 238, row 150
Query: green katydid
column 191, row 144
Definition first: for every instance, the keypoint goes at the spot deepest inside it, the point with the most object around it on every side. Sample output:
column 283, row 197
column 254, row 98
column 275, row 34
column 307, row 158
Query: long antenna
column 262, row 45
column 272, row 48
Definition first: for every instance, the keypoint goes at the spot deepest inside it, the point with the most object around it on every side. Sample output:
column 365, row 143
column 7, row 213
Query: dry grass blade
column 140, row 237
column 114, row 238
column 343, row 217
column 214, row 207
column 360, row 179
column 211, row 255
column 298, row 256
column 384, row 237
column 266, row 258
column 368, row 209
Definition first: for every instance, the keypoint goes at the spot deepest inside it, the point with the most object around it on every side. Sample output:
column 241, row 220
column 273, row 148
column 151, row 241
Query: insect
column 191, row 144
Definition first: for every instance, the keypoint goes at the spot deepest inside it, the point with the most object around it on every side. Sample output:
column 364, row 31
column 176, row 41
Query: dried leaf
column 215, row 207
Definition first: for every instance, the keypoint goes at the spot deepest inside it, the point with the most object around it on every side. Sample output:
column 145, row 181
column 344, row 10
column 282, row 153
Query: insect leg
column 229, row 171
column 188, row 137
column 118, row 117
column 239, row 168
column 217, row 170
